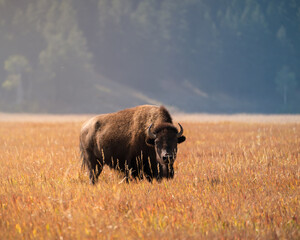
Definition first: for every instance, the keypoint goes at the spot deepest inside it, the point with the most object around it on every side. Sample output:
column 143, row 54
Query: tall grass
column 232, row 180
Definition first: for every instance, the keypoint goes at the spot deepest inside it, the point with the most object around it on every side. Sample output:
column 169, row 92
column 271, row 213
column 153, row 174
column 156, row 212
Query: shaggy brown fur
column 120, row 140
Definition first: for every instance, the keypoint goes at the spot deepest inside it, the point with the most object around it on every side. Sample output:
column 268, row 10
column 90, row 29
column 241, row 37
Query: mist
column 97, row 56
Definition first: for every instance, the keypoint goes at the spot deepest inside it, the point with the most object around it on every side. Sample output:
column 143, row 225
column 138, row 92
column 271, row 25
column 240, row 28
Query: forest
column 94, row 56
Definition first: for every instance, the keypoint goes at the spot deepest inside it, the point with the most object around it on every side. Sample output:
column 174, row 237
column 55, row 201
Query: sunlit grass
column 232, row 180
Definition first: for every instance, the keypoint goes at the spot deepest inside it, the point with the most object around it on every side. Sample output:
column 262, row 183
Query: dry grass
column 232, row 180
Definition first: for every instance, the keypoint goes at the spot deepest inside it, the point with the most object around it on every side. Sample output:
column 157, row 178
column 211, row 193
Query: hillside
column 222, row 56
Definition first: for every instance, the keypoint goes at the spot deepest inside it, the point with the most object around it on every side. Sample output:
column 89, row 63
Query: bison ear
column 181, row 139
column 150, row 142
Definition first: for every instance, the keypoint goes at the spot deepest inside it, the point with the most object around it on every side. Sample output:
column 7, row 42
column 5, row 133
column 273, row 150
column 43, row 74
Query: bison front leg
column 127, row 170
column 130, row 168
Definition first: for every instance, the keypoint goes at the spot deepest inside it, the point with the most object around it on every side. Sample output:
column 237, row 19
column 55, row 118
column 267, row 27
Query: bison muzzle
column 139, row 142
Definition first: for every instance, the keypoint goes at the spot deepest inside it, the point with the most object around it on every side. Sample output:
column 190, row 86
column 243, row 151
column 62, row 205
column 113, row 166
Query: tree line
column 195, row 55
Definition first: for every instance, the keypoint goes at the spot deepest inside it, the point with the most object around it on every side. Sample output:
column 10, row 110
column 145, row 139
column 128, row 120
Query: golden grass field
column 233, row 180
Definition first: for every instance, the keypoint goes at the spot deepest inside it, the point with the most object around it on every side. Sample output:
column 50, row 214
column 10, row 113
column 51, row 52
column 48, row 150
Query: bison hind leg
column 95, row 171
column 94, row 165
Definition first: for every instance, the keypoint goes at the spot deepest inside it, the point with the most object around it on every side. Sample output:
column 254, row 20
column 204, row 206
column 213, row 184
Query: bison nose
column 168, row 158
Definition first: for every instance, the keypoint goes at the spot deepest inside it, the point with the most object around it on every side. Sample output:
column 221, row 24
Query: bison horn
column 151, row 134
column 181, row 131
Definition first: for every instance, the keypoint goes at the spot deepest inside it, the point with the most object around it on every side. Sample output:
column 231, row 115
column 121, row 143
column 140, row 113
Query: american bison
column 140, row 141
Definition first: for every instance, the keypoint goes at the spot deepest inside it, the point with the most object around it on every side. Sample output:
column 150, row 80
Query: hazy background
column 95, row 56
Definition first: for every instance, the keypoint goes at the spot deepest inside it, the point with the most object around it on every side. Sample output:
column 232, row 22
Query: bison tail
column 84, row 163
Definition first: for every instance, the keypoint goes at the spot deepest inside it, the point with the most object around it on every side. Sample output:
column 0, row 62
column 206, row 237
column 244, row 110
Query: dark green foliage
column 196, row 55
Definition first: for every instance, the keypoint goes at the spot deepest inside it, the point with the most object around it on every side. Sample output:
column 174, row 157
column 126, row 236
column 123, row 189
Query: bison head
column 164, row 139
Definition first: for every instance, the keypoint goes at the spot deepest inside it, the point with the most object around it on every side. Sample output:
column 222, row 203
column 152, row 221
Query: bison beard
column 140, row 142
column 167, row 171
